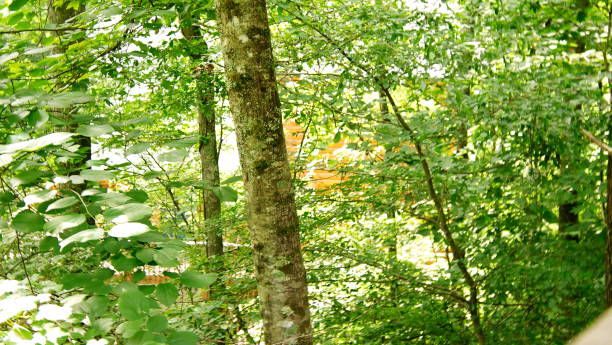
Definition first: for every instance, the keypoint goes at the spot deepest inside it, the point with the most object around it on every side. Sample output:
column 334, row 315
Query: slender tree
column 273, row 221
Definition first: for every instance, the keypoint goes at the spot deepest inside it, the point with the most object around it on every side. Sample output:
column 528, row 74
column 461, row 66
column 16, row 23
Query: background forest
column 448, row 159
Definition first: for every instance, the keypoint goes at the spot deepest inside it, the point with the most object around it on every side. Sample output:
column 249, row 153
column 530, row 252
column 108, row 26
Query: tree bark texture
column 273, row 221
column 209, row 155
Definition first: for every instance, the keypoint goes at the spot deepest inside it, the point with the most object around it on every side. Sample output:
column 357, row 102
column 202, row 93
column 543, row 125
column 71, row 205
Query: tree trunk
column 59, row 13
column 272, row 217
column 209, row 157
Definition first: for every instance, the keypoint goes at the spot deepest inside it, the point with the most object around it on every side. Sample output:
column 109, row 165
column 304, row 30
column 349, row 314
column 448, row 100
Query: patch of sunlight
column 53, row 312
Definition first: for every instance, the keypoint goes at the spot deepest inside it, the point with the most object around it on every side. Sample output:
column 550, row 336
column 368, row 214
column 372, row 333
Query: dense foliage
column 470, row 201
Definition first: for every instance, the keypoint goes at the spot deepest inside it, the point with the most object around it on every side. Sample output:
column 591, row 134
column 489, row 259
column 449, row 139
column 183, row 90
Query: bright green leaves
column 83, row 236
column 157, row 323
column 183, row 338
column 27, row 221
column 128, row 230
column 197, row 280
column 40, row 196
column 37, row 118
column 96, row 175
column 130, row 328
column 137, row 148
column 124, row 264
column 94, row 130
column 68, row 99
column 17, row 4
column 166, row 293
column 225, row 193
column 133, row 305
column 166, row 257
column 36, row 144
column 173, row 156
column 128, row 213
column 61, row 223
column 62, row 203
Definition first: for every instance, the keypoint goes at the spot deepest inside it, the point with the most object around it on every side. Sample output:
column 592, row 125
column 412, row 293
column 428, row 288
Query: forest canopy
column 298, row 172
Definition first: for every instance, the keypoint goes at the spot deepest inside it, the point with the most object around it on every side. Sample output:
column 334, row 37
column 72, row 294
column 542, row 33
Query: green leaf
column 36, row 144
column 83, row 236
column 173, row 156
column 128, row 230
column 137, row 148
column 183, row 338
column 17, row 4
column 40, row 196
column 127, row 213
column 27, row 221
column 48, row 243
column 232, row 179
column 62, row 203
column 94, row 306
column 197, row 280
column 6, row 197
column 133, row 305
column 67, row 99
column 157, row 323
column 145, row 255
column 166, row 257
column 61, row 223
column 166, row 294
column 138, row 195
column 38, row 118
column 95, row 130
column 96, row 175
column 129, row 328
column 225, row 193
column 183, row 143
column 124, row 264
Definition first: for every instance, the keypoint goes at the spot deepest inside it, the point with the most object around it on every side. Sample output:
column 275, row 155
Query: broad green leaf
column 38, row 118
column 128, row 213
column 137, row 148
column 138, row 195
column 36, row 144
column 65, row 100
column 124, row 264
column 48, row 243
column 83, row 236
column 94, row 130
column 145, row 255
column 27, row 221
column 129, row 328
column 157, row 323
column 183, row 143
column 232, row 179
column 166, row 293
column 225, row 193
column 183, row 338
column 61, row 223
column 62, row 203
column 40, row 196
column 173, row 156
column 94, row 306
column 166, row 257
column 96, row 175
column 17, row 4
column 133, row 305
column 197, row 280
column 128, row 230
column 6, row 197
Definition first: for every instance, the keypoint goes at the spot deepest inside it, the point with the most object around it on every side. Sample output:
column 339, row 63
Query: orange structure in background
column 319, row 176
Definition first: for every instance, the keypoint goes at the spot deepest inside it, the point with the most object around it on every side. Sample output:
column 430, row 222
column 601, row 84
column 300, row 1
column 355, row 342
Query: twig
column 596, row 141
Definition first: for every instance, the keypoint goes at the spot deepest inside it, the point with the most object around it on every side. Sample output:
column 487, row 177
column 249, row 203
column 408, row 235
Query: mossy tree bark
column 209, row 155
column 273, row 221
